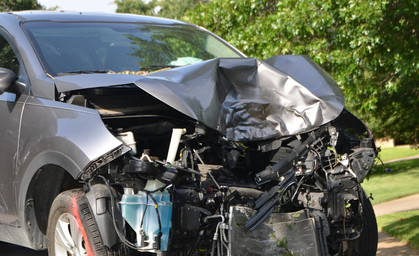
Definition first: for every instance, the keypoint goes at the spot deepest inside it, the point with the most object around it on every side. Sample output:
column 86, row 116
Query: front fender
column 56, row 133
column 74, row 131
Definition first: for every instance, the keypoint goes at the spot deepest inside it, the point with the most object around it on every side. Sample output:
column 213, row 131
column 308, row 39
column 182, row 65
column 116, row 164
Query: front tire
column 71, row 227
column 366, row 244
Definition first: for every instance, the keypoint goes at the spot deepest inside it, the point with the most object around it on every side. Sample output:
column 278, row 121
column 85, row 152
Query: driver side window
column 8, row 58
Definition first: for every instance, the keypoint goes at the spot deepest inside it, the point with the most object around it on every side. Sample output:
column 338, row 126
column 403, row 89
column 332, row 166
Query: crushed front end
column 192, row 185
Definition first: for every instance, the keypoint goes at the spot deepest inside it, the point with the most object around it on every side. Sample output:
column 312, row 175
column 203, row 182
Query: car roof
column 68, row 16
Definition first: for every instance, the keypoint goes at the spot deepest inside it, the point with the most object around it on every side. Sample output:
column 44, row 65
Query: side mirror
column 7, row 78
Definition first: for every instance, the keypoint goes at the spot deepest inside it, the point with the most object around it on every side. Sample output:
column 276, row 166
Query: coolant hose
column 250, row 192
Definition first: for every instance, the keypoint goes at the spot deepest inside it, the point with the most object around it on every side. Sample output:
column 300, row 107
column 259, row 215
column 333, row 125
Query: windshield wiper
column 76, row 72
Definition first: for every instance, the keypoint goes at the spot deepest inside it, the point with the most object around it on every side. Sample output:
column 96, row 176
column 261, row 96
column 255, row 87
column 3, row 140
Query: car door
column 11, row 106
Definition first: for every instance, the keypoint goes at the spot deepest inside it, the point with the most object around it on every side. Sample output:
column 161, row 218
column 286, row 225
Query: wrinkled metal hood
column 86, row 81
column 245, row 99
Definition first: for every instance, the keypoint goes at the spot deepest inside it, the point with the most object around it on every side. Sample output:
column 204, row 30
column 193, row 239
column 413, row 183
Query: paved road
column 14, row 250
column 388, row 245
column 402, row 159
column 408, row 203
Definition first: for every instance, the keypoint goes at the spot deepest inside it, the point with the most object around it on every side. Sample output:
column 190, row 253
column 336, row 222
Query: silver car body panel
column 245, row 99
column 68, row 136
column 250, row 99
column 10, row 109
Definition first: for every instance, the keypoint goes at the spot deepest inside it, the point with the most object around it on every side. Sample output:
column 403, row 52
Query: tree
column 18, row 5
column 369, row 47
column 173, row 9
column 135, row 6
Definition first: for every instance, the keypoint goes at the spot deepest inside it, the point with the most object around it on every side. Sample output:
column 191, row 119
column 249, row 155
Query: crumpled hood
column 245, row 99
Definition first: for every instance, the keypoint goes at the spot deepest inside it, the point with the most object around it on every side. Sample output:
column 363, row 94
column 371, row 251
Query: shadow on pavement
column 390, row 246
column 14, row 250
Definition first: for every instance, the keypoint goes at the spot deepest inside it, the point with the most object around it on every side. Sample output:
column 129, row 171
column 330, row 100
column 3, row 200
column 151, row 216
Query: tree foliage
column 19, row 5
column 369, row 47
column 173, row 9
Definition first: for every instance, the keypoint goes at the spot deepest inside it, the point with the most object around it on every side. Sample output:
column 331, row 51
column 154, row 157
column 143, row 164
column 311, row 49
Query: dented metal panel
column 249, row 99
column 245, row 99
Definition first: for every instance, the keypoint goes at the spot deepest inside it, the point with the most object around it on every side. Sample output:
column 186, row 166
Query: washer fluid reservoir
column 143, row 215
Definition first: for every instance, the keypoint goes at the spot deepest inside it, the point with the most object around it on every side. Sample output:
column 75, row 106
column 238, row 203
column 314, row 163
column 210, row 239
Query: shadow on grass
column 399, row 228
column 396, row 167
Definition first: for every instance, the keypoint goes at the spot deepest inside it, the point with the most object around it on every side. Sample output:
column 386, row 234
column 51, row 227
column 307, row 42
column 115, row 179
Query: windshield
column 121, row 47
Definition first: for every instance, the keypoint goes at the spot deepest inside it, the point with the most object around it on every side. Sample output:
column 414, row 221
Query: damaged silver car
column 132, row 135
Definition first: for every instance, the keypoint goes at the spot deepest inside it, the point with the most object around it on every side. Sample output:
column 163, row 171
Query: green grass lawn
column 397, row 152
column 402, row 181
column 402, row 225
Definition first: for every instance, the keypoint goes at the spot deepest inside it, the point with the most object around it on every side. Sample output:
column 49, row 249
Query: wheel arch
column 43, row 180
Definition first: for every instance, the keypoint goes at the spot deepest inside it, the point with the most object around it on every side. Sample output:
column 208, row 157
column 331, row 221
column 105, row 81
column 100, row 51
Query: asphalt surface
column 14, row 250
column 408, row 203
column 390, row 246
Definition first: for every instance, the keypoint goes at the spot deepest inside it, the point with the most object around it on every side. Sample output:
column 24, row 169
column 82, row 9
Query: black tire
column 366, row 244
column 72, row 206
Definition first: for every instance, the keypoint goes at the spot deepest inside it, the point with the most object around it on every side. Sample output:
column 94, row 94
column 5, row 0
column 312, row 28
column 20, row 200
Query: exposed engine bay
column 185, row 189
